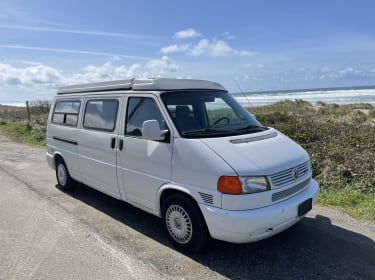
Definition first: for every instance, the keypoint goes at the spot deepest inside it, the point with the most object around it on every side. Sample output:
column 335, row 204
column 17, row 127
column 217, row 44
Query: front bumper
column 256, row 224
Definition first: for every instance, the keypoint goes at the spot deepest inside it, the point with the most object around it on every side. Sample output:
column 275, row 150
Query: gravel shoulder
column 46, row 233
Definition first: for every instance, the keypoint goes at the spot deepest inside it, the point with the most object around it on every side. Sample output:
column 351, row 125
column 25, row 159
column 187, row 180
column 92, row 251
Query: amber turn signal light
column 229, row 185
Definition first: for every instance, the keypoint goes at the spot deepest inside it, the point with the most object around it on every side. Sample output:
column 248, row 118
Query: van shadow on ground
column 312, row 249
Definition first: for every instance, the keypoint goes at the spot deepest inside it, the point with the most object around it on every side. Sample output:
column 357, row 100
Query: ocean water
column 329, row 95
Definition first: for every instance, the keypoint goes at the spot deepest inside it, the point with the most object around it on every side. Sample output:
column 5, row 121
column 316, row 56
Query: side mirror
column 151, row 131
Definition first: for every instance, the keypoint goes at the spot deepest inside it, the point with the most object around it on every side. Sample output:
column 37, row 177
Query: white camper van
column 183, row 150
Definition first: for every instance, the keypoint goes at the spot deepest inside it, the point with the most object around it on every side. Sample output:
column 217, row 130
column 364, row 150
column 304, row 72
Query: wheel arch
column 167, row 190
column 56, row 157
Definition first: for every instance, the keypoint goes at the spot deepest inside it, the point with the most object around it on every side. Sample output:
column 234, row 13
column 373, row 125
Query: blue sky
column 262, row 45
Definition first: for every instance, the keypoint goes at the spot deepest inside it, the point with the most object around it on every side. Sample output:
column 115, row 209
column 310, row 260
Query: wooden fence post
column 28, row 111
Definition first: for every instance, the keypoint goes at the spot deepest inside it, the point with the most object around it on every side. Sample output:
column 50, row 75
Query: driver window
column 141, row 109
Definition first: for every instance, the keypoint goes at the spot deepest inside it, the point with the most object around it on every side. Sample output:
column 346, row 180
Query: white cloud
column 187, row 34
column 204, row 47
column 93, row 73
column 133, row 70
column 348, row 73
column 105, row 72
column 31, row 76
column 216, row 48
column 108, row 71
column 160, row 66
column 36, row 77
column 174, row 49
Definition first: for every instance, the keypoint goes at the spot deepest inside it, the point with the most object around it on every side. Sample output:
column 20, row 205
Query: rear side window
column 101, row 114
column 66, row 112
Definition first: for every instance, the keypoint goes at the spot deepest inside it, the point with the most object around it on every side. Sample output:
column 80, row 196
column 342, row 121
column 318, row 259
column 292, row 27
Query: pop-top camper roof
column 141, row 84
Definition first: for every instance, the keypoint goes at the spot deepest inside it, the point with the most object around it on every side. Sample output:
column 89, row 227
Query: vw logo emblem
column 295, row 174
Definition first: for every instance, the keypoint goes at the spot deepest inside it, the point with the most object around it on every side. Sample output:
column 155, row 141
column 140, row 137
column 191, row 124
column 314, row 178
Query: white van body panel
column 97, row 161
column 63, row 140
column 145, row 166
column 196, row 164
column 258, row 157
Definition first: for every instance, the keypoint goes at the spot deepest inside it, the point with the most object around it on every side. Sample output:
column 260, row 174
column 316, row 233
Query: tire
column 64, row 181
column 184, row 223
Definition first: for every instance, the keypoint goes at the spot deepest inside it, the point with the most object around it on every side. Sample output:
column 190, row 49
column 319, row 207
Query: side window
column 100, row 114
column 141, row 109
column 66, row 112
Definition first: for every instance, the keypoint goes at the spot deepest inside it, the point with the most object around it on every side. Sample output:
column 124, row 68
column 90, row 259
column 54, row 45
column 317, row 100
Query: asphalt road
column 49, row 234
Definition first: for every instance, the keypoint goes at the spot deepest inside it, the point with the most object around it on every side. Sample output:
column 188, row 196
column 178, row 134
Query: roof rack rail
column 94, row 87
column 141, row 84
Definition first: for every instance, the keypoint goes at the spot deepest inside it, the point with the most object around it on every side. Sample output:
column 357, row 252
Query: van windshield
column 203, row 114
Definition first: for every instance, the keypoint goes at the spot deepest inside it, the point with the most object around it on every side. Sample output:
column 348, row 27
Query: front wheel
column 184, row 223
column 64, row 180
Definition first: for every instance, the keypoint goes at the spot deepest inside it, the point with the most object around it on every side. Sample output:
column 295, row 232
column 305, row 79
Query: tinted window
column 101, row 114
column 141, row 109
column 203, row 114
column 218, row 111
column 66, row 112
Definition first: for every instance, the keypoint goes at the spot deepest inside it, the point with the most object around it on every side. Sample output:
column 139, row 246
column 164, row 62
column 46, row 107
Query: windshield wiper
column 202, row 130
column 252, row 127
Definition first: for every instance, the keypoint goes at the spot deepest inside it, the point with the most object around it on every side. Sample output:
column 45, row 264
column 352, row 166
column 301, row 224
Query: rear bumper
column 253, row 225
column 50, row 160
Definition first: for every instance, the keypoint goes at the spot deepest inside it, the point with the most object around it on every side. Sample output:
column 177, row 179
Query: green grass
column 14, row 124
column 24, row 133
column 357, row 205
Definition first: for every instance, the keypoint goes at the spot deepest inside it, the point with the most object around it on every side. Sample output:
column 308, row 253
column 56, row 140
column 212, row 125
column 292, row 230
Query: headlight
column 254, row 184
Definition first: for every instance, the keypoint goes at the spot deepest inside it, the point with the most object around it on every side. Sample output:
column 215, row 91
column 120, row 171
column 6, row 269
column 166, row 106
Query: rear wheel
column 64, row 180
column 184, row 223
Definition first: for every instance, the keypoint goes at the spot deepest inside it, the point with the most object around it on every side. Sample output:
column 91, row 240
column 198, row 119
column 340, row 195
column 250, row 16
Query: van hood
column 258, row 154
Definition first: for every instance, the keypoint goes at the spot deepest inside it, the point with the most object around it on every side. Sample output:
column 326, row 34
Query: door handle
column 121, row 144
column 113, row 142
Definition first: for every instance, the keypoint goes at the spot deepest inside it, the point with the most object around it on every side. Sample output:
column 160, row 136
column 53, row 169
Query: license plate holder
column 305, row 207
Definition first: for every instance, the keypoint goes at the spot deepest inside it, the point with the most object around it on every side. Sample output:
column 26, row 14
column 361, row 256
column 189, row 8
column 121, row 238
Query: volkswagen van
column 184, row 150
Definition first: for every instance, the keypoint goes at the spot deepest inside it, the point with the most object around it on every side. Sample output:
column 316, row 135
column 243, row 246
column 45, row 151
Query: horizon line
column 307, row 89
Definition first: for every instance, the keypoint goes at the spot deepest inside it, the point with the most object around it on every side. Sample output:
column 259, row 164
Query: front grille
column 288, row 192
column 288, row 176
column 207, row 198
